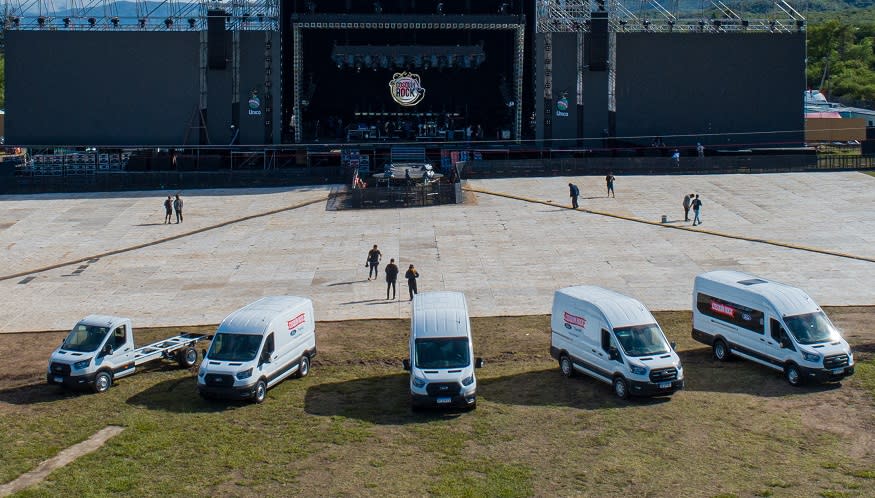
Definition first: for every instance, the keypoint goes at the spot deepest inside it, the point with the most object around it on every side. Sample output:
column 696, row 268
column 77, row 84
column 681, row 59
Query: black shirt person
column 391, row 277
column 374, row 256
column 411, row 277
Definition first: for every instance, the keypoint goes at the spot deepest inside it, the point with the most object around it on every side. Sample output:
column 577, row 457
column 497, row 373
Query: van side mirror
column 673, row 346
column 478, row 363
column 203, row 354
column 406, row 364
column 107, row 350
column 614, row 354
column 265, row 356
column 785, row 344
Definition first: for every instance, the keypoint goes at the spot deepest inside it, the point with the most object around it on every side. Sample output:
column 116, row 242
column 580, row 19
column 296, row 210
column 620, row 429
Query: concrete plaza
column 508, row 255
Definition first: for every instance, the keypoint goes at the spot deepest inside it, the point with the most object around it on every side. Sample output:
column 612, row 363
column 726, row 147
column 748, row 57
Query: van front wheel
column 794, row 377
column 565, row 366
column 721, row 352
column 102, row 382
column 621, row 388
column 260, row 392
column 187, row 358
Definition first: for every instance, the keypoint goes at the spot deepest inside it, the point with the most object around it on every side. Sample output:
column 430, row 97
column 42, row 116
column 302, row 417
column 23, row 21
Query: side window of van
column 268, row 344
column 729, row 312
column 120, row 337
column 606, row 340
column 779, row 334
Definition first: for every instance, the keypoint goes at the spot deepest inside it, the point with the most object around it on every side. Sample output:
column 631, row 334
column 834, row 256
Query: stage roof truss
column 165, row 15
column 713, row 16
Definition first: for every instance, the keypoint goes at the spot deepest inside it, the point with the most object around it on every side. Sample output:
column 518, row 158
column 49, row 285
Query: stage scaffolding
column 167, row 15
column 712, row 16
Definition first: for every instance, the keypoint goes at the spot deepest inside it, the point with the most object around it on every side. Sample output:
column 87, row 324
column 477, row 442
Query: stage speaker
column 216, row 56
column 597, row 48
column 870, row 133
column 867, row 147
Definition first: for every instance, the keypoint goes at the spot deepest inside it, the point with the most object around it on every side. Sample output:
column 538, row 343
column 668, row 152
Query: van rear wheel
column 303, row 367
column 621, row 388
column 565, row 366
column 721, row 352
column 187, row 357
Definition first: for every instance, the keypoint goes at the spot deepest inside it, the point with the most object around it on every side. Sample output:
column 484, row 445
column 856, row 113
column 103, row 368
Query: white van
column 773, row 324
column 442, row 359
column 613, row 338
column 258, row 346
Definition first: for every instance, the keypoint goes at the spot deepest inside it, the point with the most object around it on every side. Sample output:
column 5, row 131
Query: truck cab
column 97, row 350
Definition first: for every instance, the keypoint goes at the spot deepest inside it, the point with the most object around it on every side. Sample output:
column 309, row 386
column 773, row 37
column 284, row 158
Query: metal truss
column 166, row 15
column 713, row 16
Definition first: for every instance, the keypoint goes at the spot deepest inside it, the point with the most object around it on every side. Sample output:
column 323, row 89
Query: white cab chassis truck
column 100, row 349
column 613, row 338
column 773, row 324
column 441, row 361
column 257, row 347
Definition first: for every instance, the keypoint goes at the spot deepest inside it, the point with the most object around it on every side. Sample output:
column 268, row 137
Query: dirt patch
column 63, row 458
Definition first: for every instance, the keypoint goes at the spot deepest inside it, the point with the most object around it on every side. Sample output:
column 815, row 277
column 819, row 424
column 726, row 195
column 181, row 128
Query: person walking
column 391, row 277
column 374, row 257
column 168, row 209
column 177, row 206
column 688, row 200
column 411, row 277
column 609, row 179
column 574, row 192
column 697, row 210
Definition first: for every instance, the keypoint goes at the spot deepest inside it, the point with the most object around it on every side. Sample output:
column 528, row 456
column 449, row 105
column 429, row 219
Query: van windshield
column 811, row 328
column 443, row 352
column 85, row 338
column 234, row 347
column 642, row 340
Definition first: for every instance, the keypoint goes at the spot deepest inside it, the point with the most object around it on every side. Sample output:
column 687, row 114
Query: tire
column 303, row 367
column 206, row 396
column 621, row 388
column 721, row 351
column 102, row 382
column 187, row 357
column 793, row 375
column 260, row 392
column 565, row 366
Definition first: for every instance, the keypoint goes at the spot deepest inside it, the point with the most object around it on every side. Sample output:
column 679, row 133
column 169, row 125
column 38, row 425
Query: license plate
column 444, row 400
column 59, row 379
column 664, row 385
column 838, row 370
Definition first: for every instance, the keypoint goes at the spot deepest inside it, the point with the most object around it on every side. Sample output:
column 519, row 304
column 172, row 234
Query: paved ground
column 507, row 255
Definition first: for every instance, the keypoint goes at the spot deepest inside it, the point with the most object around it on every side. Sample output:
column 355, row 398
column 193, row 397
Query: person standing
column 697, row 209
column 177, row 206
column 700, row 149
column 609, row 179
column 374, row 257
column 391, row 277
column 168, row 209
column 411, row 277
column 676, row 158
column 574, row 192
column 688, row 200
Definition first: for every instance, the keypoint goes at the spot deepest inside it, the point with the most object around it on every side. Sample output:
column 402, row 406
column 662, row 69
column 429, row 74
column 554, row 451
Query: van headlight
column 812, row 357
column 244, row 374
column 467, row 381
column 417, row 382
column 79, row 365
column 635, row 369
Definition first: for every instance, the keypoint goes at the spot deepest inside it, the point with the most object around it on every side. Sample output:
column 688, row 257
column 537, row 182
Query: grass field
column 737, row 430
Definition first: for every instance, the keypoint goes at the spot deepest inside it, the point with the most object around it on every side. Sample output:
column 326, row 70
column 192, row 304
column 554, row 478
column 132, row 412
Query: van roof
column 786, row 299
column 255, row 318
column 440, row 314
column 102, row 321
column 618, row 309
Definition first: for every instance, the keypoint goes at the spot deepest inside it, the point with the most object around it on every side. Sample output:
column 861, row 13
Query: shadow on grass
column 549, row 388
column 35, row 394
column 380, row 400
column 180, row 396
column 737, row 376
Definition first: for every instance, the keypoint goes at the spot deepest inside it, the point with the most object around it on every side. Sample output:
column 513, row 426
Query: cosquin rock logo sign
column 406, row 89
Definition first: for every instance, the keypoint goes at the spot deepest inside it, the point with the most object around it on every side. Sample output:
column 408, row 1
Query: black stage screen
column 479, row 94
